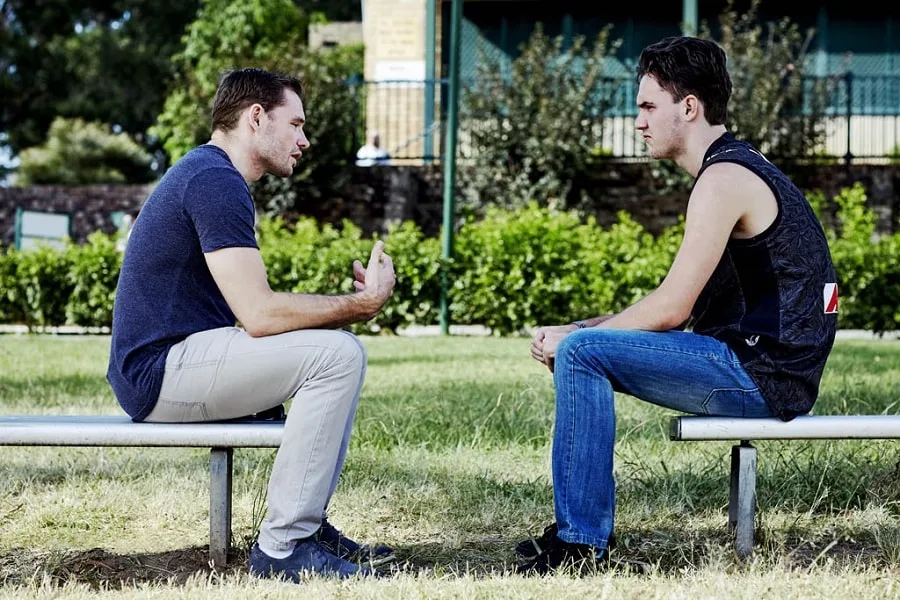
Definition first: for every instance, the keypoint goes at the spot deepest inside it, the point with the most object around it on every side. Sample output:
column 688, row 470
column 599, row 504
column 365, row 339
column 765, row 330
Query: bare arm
column 717, row 204
column 720, row 199
column 241, row 277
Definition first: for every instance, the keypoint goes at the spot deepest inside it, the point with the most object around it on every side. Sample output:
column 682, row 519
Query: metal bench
column 742, row 492
column 221, row 438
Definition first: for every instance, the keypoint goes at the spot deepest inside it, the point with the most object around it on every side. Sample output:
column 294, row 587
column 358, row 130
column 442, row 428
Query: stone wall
column 881, row 182
column 377, row 196
column 91, row 206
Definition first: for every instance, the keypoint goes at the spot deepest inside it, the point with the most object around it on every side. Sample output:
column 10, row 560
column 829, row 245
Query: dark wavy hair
column 242, row 88
column 686, row 65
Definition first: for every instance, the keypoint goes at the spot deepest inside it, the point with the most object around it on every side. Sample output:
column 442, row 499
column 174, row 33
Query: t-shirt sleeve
column 218, row 203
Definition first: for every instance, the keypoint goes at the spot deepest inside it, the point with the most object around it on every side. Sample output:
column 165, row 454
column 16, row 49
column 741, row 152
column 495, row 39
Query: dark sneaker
column 308, row 557
column 330, row 538
column 558, row 554
column 530, row 548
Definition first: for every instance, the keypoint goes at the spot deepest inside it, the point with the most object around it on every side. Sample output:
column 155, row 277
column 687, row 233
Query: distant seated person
column 372, row 153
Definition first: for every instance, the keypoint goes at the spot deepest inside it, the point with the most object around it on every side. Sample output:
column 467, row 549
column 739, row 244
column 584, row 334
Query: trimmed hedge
column 510, row 270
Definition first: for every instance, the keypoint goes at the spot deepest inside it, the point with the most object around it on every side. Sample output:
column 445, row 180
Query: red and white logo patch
column 830, row 296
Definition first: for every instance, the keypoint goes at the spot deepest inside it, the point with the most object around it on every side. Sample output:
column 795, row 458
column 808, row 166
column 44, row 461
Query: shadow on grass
column 669, row 552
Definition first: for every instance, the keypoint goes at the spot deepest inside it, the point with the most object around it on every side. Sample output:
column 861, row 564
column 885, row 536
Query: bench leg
column 742, row 498
column 220, row 463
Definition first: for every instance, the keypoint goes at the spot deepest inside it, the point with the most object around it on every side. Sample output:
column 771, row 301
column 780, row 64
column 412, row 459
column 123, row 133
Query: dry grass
column 449, row 464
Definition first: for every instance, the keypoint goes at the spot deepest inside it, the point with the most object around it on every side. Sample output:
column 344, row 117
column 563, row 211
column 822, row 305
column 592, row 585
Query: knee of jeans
column 568, row 348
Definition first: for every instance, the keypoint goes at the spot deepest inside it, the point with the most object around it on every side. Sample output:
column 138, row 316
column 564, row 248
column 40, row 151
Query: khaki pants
column 225, row 373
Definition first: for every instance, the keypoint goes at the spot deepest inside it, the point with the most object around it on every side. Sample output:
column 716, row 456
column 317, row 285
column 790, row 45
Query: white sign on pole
column 407, row 73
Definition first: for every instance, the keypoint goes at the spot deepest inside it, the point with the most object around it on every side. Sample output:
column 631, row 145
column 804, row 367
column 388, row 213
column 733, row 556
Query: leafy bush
column 226, row 34
column 10, row 307
column 271, row 34
column 518, row 268
column 332, row 108
column 773, row 107
column 625, row 263
column 536, row 266
column 93, row 274
column 535, row 128
column 43, row 286
column 311, row 259
column 511, row 270
column 867, row 266
column 417, row 263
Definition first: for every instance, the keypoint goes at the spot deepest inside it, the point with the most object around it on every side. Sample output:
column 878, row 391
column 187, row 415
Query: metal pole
column 689, row 17
column 430, row 36
column 450, row 158
column 221, row 463
column 848, row 157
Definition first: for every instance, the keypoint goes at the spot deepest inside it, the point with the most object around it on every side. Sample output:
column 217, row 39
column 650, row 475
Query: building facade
column 406, row 55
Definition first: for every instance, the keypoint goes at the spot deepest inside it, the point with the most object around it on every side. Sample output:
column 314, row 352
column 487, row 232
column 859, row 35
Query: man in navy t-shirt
column 192, row 271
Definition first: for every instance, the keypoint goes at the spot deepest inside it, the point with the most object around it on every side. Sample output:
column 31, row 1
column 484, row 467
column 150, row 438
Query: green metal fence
column 862, row 117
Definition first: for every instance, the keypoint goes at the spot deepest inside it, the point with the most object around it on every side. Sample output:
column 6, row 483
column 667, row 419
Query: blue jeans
column 684, row 371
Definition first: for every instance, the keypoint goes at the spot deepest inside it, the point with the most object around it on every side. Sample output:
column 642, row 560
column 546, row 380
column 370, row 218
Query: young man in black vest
column 741, row 326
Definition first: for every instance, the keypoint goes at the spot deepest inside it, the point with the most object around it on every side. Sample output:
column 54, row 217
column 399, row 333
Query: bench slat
column 115, row 430
column 817, row 427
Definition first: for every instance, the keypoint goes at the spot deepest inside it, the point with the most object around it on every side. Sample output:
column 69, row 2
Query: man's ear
column 691, row 107
column 254, row 113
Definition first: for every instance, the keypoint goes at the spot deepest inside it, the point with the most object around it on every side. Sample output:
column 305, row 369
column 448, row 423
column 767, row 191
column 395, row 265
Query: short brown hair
column 683, row 65
column 239, row 89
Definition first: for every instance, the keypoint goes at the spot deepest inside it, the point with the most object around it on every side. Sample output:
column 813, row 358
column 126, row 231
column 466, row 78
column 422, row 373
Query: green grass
column 450, row 464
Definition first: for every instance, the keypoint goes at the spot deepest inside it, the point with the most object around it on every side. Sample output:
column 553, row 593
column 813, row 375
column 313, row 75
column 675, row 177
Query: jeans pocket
column 734, row 402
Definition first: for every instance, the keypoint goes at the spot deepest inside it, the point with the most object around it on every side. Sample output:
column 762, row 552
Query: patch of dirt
column 101, row 568
column 841, row 550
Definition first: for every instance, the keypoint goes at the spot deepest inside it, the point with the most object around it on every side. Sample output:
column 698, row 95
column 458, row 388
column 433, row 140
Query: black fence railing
column 861, row 117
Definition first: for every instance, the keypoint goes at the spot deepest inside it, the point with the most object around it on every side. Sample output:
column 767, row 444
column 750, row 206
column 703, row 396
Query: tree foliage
column 270, row 34
column 226, row 34
column 532, row 130
column 79, row 153
column 100, row 60
column 773, row 106
column 332, row 105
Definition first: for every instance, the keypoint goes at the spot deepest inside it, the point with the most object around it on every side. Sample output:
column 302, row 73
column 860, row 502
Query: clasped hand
column 545, row 342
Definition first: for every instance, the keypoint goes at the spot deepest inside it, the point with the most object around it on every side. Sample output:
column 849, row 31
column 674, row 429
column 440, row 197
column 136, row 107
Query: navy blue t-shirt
column 165, row 291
